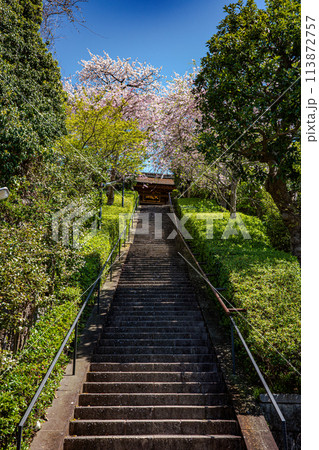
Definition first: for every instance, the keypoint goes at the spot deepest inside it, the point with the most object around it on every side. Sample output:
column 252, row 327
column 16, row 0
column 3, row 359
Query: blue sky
column 167, row 33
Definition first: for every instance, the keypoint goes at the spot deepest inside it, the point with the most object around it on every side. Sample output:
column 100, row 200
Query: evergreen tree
column 31, row 95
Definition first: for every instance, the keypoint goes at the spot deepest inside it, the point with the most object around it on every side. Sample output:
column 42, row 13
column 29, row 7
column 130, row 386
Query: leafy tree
column 31, row 95
column 100, row 139
column 251, row 98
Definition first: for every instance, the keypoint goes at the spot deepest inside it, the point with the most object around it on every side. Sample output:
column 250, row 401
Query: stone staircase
column 154, row 381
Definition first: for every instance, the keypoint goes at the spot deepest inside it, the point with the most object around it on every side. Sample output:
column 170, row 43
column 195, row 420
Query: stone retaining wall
column 290, row 406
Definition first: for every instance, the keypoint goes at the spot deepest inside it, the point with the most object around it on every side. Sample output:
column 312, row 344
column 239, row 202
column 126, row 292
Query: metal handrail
column 74, row 327
column 228, row 311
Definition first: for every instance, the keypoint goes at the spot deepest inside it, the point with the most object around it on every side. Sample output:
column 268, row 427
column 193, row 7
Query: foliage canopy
column 31, row 95
column 251, row 97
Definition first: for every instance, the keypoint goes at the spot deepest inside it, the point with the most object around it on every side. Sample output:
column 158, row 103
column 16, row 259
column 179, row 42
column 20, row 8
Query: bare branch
column 55, row 13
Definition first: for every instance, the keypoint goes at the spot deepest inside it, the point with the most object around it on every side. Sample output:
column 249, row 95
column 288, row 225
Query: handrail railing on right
column 228, row 312
column 74, row 327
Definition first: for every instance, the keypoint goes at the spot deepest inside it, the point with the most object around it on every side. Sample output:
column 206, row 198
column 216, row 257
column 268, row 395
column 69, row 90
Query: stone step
column 198, row 329
column 160, row 358
column 154, row 387
column 155, row 427
column 148, row 290
column 154, row 336
column 155, row 294
column 173, row 342
column 154, row 382
column 168, row 282
column 143, row 288
column 118, row 321
column 131, row 297
column 138, row 300
column 153, row 412
column 152, row 399
column 163, row 279
column 117, row 303
column 156, row 307
column 152, row 350
column 153, row 377
column 154, row 442
column 160, row 315
column 147, row 366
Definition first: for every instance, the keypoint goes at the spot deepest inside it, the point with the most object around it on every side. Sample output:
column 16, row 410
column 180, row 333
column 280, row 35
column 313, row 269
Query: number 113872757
column 310, row 49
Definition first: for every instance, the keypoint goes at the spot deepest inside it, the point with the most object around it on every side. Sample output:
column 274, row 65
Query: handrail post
column 284, row 434
column 19, row 437
column 233, row 347
column 75, row 347
column 98, row 295
column 111, row 268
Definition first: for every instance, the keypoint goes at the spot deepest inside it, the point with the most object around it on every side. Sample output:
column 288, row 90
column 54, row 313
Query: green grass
column 260, row 278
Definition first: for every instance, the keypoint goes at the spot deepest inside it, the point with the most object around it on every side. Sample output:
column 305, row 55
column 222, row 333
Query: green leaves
column 31, row 95
column 261, row 279
column 250, row 100
column 41, row 286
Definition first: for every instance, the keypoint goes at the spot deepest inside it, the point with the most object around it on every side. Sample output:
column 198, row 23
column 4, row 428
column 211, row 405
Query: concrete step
column 154, row 358
column 153, row 323
column 147, row 366
column 159, row 315
column 143, row 290
column 153, row 377
column 153, row 442
column 157, row 296
column 156, row 308
column 163, row 279
column 153, row 412
column 155, row 427
column 154, row 382
column 198, row 329
column 191, row 387
column 154, row 336
column 150, row 302
column 152, row 399
column 153, row 300
column 173, row 342
column 152, row 350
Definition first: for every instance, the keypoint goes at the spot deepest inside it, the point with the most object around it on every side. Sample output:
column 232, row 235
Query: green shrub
column 258, row 202
column 25, row 370
column 263, row 280
column 41, row 275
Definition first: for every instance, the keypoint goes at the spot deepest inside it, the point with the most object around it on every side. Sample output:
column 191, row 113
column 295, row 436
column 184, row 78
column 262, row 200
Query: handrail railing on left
column 74, row 327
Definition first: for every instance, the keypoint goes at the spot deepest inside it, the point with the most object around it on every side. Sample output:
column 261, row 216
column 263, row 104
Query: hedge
column 260, row 278
column 22, row 372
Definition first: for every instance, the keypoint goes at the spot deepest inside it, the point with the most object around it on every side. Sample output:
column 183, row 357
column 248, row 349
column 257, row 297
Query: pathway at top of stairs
column 154, row 381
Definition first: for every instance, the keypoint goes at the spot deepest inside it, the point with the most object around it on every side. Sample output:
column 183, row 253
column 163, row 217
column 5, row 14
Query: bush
column 25, row 370
column 263, row 280
column 49, row 279
column 259, row 202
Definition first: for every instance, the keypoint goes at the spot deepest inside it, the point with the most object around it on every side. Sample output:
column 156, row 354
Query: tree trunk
column 233, row 196
column 110, row 189
column 288, row 205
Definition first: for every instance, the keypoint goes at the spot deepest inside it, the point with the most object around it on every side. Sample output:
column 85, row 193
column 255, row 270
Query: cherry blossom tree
column 167, row 113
